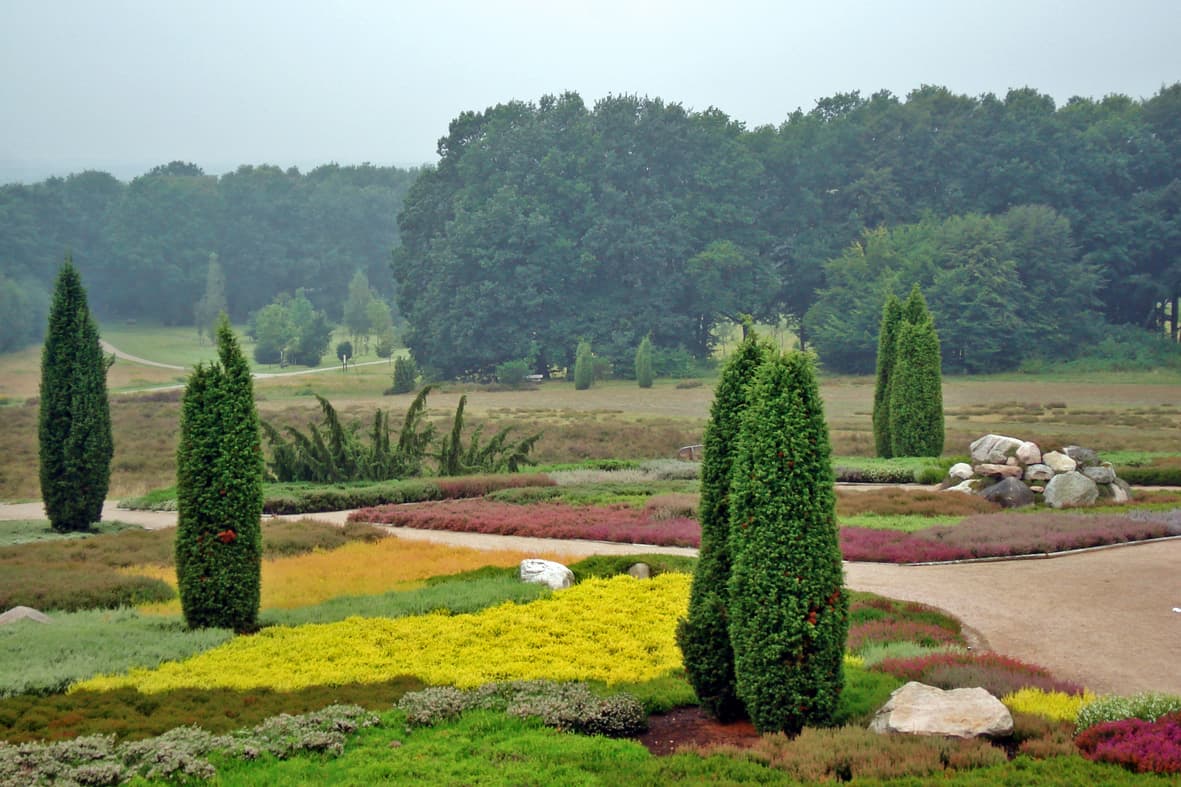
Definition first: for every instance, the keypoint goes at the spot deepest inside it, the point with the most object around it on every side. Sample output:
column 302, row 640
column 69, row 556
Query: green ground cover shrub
column 28, row 531
column 1146, row 706
column 607, row 566
column 896, row 470
column 305, row 498
column 60, row 586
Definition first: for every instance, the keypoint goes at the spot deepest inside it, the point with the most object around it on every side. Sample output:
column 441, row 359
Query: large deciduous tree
column 74, row 426
column 704, row 636
column 219, row 472
column 788, row 607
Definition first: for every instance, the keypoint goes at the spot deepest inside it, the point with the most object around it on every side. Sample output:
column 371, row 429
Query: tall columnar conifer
column 584, row 366
column 788, row 608
column 887, row 335
column 74, row 424
column 644, row 363
column 704, row 636
column 916, row 392
column 219, row 493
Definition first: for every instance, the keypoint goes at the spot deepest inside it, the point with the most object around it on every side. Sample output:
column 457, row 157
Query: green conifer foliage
column 788, row 606
column 891, row 319
column 219, row 493
column 584, row 367
column 644, row 363
column 74, row 424
column 704, row 636
column 916, row 392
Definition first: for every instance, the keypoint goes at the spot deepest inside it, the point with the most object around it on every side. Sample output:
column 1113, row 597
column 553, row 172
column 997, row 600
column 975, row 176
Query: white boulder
column 919, row 709
column 546, row 572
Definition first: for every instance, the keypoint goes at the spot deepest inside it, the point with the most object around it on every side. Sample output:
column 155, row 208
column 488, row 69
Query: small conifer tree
column 788, row 607
column 704, row 636
column 887, row 336
column 644, row 363
column 74, row 420
column 219, row 493
column 916, row 392
column 584, row 366
column 405, row 372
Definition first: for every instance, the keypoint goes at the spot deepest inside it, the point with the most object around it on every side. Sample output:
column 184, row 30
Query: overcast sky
column 123, row 85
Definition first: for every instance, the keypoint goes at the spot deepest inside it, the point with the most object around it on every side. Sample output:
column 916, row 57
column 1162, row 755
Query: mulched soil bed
column 691, row 726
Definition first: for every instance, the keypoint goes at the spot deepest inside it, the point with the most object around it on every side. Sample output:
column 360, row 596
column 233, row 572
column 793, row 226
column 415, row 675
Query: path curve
column 1104, row 618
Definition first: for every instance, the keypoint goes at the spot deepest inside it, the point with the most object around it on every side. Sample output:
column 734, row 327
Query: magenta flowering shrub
column 619, row 523
column 1000, row 675
column 1141, row 746
column 877, row 632
column 892, row 546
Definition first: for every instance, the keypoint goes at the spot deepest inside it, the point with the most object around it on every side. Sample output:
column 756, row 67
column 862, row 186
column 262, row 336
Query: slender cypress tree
column 74, row 423
column 644, row 363
column 219, row 493
column 584, row 366
column 914, row 310
column 887, row 336
column 788, row 609
column 916, row 392
column 704, row 636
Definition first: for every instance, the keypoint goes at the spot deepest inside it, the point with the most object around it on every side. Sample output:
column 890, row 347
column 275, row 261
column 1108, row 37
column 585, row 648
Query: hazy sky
column 123, row 85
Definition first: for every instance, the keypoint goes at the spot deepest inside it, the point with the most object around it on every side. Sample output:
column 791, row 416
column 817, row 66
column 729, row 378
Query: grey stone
column 640, row 570
column 960, row 470
column 1100, row 474
column 1121, row 491
column 1038, row 473
column 1085, row 457
column 1004, row 471
column 1070, row 489
column 1009, row 493
column 23, row 613
column 1029, row 453
column 1059, row 462
column 966, row 486
column 993, row 448
column 918, row 709
column 546, row 572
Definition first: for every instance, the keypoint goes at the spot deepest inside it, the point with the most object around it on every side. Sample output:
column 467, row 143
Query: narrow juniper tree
column 788, row 608
column 704, row 636
column 584, row 366
column 644, row 363
column 916, row 392
column 887, row 336
column 219, row 493
column 74, row 422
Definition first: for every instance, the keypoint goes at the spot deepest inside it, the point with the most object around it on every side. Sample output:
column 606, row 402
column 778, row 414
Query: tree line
column 546, row 224
column 144, row 247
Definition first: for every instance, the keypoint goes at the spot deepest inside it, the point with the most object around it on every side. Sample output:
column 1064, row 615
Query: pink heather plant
column 1142, row 746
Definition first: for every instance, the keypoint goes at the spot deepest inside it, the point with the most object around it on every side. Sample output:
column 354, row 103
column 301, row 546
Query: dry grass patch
column 893, row 501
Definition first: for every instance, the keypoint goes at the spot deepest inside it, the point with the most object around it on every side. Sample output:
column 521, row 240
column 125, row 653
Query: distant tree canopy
column 550, row 220
column 145, row 245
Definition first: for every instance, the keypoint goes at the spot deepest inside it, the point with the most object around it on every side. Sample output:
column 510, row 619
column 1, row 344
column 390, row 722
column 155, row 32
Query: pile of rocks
column 1015, row 472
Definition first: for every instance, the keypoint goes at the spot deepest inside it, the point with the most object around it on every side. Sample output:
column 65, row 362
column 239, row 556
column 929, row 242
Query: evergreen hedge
column 405, row 372
column 916, row 392
column 74, row 422
column 219, row 493
column 788, row 607
column 704, row 636
column 584, row 367
column 644, row 363
column 887, row 336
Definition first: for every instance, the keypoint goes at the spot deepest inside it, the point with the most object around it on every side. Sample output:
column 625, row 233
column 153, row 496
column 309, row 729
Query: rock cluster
column 1015, row 472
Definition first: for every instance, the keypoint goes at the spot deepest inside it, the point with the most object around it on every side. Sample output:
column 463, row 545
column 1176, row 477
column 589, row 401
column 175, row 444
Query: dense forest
column 1029, row 226
column 1036, row 231
column 143, row 247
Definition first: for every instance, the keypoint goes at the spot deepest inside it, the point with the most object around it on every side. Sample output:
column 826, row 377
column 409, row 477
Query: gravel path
column 1104, row 618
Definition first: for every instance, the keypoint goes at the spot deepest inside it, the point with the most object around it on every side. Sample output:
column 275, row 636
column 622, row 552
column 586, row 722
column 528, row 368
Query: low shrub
column 607, row 566
column 1040, row 737
column 878, row 632
column 68, row 587
column 1138, row 745
column 458, row 487
column 658, row 695
column 892, row 546
column 1054, row 705
column 671, row 470
column 300, row 498
column 895, row 501
column 999, row 675
column 1146, row 706
column 1151, row 475
column 873, row 654
column 672, row 506
column 864, row 607
column 571, row 707
column 865, row 691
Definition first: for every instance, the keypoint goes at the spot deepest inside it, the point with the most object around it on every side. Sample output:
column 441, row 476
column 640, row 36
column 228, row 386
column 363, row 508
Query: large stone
column 1100, row 474
column 966, row 486
column 1085, row 457
column 1029, row 453
column 546, row 572
column 1058, row 462
column 1009, row 493
column 960, row 470
column 1038, row 473
column 918, row 709
column 23, row 613
column 1003, row 471
column 1070, row 489
column 1121, row 491
column 993, row 448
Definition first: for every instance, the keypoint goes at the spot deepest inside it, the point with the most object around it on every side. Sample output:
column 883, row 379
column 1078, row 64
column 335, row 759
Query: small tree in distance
column 584, row 366
column 887, row 339
column 213, row 302
column 405, row 374
column 74, row 420
column 916, row 392
column 219, row 471
column 644, row 363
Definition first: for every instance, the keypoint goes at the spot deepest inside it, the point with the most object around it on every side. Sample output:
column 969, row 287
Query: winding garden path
column 1104, row 618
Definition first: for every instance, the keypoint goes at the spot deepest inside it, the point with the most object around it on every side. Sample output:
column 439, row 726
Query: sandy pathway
column 1102, row 618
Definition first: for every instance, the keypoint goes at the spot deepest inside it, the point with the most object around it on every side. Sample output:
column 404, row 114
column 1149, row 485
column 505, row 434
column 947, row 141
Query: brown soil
column 679, row 727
